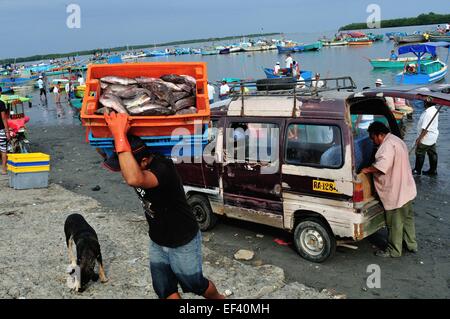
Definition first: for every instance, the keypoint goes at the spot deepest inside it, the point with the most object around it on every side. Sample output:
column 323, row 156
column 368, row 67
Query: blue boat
column 306, row 75
column 157, row 53
column 422, row 72
column 300, row 48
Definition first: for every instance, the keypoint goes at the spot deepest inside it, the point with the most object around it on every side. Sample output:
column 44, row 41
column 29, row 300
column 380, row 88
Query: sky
column 31, row 27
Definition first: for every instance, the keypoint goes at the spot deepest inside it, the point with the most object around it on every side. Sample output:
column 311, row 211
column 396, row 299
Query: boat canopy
column 428, row 47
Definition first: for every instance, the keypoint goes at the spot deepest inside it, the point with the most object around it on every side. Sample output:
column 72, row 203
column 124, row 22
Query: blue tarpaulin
column 429, row 47
column 115, row 59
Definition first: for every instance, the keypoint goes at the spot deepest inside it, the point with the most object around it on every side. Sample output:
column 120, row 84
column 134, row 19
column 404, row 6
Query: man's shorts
column 42, row 91
column 182, row 265
column 2, row 141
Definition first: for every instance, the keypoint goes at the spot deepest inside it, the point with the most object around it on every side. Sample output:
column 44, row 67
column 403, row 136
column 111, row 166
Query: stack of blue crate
column 178, row 145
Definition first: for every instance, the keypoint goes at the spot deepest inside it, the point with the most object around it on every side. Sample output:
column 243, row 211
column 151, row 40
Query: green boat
column 394, row 64
column 76, row 103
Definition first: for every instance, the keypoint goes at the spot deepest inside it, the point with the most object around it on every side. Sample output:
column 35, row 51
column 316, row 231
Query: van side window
column 314, row 145
column 255, row 142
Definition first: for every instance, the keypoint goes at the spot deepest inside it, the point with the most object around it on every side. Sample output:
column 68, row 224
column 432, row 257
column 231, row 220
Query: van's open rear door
column 435, row 93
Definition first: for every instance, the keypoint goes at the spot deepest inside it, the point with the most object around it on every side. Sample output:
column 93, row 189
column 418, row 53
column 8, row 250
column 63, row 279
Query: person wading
column 426, row 142
column 175, row 238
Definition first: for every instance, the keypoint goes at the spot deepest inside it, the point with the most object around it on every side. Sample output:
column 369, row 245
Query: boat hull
column 422, row 78
column 306, row 75
column 389, row 64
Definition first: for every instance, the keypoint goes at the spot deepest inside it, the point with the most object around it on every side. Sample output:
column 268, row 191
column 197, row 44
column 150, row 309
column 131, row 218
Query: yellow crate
column 28, row 157
column 28, row 169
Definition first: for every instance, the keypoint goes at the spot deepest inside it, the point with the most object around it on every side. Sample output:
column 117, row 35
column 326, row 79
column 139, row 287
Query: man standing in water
column 175, row 238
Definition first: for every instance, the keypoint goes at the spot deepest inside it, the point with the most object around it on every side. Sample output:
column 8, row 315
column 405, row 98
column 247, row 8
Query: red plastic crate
column 145, row 125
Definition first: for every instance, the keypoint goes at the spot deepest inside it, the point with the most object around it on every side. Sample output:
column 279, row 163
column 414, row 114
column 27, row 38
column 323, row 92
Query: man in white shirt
column 289, row 61
column 81, row 80
column 426, row 142
column 211, row 92
column 41, row 86
column 224, row 90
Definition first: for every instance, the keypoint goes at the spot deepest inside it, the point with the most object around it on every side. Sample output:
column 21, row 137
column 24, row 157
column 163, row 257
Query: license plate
column 322, row 186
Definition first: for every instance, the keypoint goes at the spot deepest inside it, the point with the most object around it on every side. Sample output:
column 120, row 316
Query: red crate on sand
column 145, row 125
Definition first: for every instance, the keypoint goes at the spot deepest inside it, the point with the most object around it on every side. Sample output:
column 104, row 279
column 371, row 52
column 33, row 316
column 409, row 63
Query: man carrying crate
column 175, row 238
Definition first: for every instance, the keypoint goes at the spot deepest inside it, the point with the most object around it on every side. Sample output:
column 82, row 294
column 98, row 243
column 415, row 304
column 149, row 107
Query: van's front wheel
column 202, row 212
column 313, row 240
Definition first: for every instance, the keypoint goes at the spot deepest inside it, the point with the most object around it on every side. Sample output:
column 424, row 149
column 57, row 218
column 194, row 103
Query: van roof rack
column 290, row 87
column 243, row 93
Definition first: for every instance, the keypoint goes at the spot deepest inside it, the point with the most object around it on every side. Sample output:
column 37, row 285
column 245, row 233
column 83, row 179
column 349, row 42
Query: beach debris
column 244, row 254
column 96, row 188
column 282, row 242
column 228, row 292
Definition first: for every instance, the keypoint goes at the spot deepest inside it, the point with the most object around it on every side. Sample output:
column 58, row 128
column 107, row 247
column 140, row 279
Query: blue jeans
column 182, row 265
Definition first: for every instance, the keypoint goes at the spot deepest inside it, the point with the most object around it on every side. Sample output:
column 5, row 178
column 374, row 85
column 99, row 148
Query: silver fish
column 145, row 80
column 113, row 102
column 127, row 92
column 151, row 109
column 189, row 110
column 172, row 86
column 185, row 87
column 185, row 103
column 118, row 80
column 174, row 78
column 104, row 85
column 137, row 101
column 176, row 96
column 160, row 89
column 189, row 80
column 103, row 110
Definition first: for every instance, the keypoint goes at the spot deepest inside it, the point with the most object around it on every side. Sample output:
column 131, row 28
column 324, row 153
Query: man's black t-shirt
column 2, row 109
column 170, row 218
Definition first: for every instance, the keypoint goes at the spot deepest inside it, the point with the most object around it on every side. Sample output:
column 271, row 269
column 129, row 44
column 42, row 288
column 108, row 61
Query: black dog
column 78, row 231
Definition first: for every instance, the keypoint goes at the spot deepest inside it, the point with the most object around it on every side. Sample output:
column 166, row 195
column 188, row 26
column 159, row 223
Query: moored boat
column 409, row 38
column 422, row 72
column 306, row 75
column 394, row 64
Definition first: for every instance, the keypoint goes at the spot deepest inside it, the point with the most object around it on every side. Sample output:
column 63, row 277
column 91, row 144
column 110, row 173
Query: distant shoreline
column 422, row 19
column 39, row 57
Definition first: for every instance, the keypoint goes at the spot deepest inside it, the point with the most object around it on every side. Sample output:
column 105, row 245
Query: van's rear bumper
column 373, row 219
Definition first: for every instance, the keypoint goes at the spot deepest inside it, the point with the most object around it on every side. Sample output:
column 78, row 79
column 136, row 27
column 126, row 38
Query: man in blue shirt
column 393, row 56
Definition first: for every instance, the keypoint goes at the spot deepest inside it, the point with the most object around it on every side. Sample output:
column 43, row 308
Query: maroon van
column 294, row 163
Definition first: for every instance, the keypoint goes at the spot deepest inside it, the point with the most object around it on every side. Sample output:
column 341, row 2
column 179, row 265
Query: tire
column 314, row 240
column 275, row 84
column 203, row 213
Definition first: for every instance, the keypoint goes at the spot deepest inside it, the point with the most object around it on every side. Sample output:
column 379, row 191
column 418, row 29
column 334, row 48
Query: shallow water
column 329, row 62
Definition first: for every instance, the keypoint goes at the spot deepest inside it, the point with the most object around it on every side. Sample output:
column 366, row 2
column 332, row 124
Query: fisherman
column 295, row 70
column 57, row 92
column 276, row 68
column 426, row 141
column 4, row 134
column 42, row 89
column 211, row 92
column 396, row 188
column 289, row 61
column 80, row 79
column 224, row 90
column 393, row 56
column 175, row 238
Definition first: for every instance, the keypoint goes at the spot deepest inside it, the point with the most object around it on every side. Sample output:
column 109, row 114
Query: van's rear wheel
column 203, row 213
column 313, row 240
